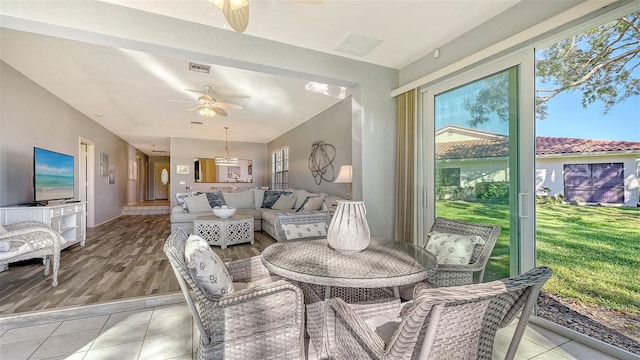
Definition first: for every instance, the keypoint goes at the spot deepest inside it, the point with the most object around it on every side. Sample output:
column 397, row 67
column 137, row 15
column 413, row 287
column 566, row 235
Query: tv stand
column 67, row 219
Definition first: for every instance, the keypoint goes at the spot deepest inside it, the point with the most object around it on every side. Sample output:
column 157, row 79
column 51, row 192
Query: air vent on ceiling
column 196, row 122
column 159, row 151
column 199, row 67
column 358, row 44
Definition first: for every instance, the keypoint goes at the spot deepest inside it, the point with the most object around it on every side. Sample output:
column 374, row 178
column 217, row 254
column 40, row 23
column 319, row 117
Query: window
column 280, row 169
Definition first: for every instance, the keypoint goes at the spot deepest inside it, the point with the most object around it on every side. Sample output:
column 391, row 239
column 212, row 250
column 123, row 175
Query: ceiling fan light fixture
column 217, row 3
column 237, row 4
column 206, row 99
column 207, row 112
column 226, row 160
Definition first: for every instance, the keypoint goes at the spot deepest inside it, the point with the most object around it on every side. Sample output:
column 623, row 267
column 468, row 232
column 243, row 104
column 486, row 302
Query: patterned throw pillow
column 271, row 196
column 216, row 199
column 206, row 267
column 299, row 231
column 452, row 249
column 180, row 198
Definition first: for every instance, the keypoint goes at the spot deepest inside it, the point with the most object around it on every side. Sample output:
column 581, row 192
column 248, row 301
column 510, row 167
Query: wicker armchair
column 32, row 239
column 262, row 322
column 441, row 323
column 454, row 275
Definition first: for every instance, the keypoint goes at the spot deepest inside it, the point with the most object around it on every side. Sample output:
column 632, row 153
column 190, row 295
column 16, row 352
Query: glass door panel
column 474, row 158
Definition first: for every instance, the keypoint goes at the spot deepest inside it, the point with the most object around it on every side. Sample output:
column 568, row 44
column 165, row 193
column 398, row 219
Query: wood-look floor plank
column 122, row 259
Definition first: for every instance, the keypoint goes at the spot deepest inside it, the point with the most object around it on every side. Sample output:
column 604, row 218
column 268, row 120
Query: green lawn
column 594, row 251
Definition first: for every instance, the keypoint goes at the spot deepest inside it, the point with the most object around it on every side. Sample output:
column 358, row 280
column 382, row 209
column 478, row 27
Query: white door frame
column 86, row 176
column 524, row 208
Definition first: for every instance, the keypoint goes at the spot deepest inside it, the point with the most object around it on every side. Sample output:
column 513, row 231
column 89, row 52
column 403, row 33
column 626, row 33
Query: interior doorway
column 86, row 170
column 160, row 187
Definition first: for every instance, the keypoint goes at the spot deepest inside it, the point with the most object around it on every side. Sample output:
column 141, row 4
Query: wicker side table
column 223, row 232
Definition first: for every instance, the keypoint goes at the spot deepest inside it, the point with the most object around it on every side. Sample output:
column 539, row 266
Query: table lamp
column 345, row 177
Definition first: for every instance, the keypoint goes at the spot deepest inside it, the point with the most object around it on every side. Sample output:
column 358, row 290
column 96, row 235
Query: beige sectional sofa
column 262, row 205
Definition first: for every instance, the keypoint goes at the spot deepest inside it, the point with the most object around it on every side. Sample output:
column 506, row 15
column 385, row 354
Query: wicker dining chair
column 457, row 322
column 261, row 322
column 33, row 239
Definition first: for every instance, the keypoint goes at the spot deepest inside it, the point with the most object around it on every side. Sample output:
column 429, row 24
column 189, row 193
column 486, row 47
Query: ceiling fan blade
column 182, row 101
column 198, row 107
column 219, row 111
column 228, row 106
column 237, row 18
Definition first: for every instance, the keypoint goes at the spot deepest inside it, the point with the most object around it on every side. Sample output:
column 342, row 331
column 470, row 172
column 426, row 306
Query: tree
column 599, row 62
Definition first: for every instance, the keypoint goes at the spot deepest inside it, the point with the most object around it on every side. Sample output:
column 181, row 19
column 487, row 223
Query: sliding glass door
column 470, row 157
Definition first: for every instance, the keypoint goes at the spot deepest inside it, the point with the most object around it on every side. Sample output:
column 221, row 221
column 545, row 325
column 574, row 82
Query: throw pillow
column 215, row 199
column 452, row 248
column 206, row 267
column 2, row 229
column 198, row 203
column 301, row 196
column 312, row 204
column 271, row 196
column 284, row 202
column 299, row 231
column 180, row 198
column 258, row 195
column 240, row 200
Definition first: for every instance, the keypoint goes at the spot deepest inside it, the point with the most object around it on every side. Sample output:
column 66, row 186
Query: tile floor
column 168, row 332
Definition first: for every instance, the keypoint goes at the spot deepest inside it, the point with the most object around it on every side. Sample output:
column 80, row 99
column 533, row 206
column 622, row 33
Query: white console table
column 68, row 219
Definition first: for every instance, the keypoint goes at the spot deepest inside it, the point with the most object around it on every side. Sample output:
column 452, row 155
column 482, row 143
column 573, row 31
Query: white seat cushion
column 238, row 285
column 384, row 326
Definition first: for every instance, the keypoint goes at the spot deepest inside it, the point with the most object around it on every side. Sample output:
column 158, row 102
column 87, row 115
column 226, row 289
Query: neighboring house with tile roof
column 597, row 171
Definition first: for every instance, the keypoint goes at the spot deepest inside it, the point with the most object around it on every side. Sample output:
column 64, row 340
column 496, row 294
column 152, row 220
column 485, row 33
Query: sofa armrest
column 177, row 209
column 299, row 218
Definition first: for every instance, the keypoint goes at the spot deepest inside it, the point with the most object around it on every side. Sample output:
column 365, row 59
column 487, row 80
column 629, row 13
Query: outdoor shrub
column 493, row 192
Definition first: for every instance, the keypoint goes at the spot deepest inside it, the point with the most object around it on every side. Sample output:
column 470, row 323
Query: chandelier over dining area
column 226, row 160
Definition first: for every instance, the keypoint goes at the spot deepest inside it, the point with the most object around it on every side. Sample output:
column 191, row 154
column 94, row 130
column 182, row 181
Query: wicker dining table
column 384, row 264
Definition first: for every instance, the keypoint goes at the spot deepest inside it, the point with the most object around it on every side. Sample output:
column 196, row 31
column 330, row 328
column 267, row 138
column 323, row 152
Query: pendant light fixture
column 226, row 160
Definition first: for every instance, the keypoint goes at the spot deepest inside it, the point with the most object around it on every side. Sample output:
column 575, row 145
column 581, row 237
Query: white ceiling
column 128, row 92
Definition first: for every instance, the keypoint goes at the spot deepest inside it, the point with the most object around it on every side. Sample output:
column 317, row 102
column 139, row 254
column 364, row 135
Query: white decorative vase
column 349, row 231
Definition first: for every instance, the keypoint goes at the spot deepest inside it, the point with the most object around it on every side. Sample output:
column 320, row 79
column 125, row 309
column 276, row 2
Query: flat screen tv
column 53, row 175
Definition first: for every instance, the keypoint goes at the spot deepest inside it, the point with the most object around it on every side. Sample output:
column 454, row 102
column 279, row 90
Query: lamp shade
column 344, row 175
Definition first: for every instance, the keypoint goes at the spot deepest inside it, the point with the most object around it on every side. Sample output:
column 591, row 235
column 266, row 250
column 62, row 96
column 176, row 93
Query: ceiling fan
column 208, row 106
column 237, row 11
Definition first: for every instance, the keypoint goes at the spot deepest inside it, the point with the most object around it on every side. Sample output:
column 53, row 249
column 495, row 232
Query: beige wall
column 332, row 126
column 31, row 116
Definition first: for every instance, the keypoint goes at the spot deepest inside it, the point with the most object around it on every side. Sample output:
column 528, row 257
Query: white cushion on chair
column 251, row 284
column 206, row 267
column 452, row 248
column 384, row 326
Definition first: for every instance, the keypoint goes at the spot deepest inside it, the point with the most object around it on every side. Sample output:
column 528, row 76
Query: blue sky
column 52, row 163
column 567, row 118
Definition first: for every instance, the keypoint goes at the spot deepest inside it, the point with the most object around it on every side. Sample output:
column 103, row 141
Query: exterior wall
column 475, row 171
column 549, row 173
column 31, row 116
